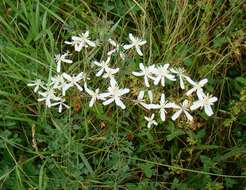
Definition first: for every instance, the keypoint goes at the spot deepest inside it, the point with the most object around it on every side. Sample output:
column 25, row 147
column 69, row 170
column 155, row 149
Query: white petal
column 189, row 92
column 138, row 74
column 128, row 46
column 104, row 95
column 154, row 106
column 208, row 110
column 157, row 79
column 78, row 47
column 213, row 99
column 92, row 101
column 162, row 115
column 91, row 43
column 90, row 92
column 36, row 88
column 109, row 101
column 162, row 101
column 190, row 81
column 111, row 52
column 60, row 108
column 150, row 94
column 172, row 105
column 141, row 66
column 122, row 55
column 203, row 82
column 79, row 76
column 99, row 73
column 147, row 106
column 97, row 63
column 155, row 123
column 123, row 91
column 112, row 42
column 58, row 67
column 142, row 42
column 200, row 94
column 196, row 105
column 66, row 86
column 79, row 87
column 146, row 81
column 132, row 38
column 163, row 81
column 69, row 43
column 119, row 103
column 112, row 80
column 188, row 115
column 181, row 82
column 140, row 95
column 173, row 71
column 139, row 51
column 67, row 76
column 176, row 114
column 67, row 61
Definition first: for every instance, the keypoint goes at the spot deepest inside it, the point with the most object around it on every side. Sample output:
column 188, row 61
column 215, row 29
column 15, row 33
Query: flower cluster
column 53, row 93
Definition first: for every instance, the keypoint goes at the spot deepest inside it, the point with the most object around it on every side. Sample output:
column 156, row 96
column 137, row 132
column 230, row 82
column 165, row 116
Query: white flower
column 110, row 73
column 180, row 73
column 114, row 92
column 205, row 101
column 94, row 95
column 135, row 42
column 116, row 49
column 61, row 104
column 72, row 81
column 80, row 41
column 37, row 84
column 147, row 72
column 103, row 65
column 183, row 108
column 197, row 86
column 48, row 96
column 57, row 82
column 59, row 58
column 150, row 120
column 162, row 106
column 161, row 73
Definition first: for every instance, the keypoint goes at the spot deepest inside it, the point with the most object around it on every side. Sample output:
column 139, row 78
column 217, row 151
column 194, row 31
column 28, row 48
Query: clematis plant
column 152, row 76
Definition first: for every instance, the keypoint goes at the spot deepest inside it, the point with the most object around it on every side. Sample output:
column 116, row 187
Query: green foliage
column 106, row 148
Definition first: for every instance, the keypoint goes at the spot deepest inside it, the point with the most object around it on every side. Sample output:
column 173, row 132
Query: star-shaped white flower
column 115, row 93
column 59, row 58
column 146, row 72
column 103, row 65
column 162, row 107
column 180, row 72
column 197, row 86
column 161, row 73
column 116, row 49
column 150, row 120
column 204, row 101
column 37, row 84
column 72, row 81
column 80, row 41
column 48, row 96
column 110, row 72
column 136, row 43
column 94, row 95
column 183, row 108
column 61, row 104
column 57, row 82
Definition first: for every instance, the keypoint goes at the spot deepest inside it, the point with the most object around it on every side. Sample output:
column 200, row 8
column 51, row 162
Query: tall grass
column 105, row 147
